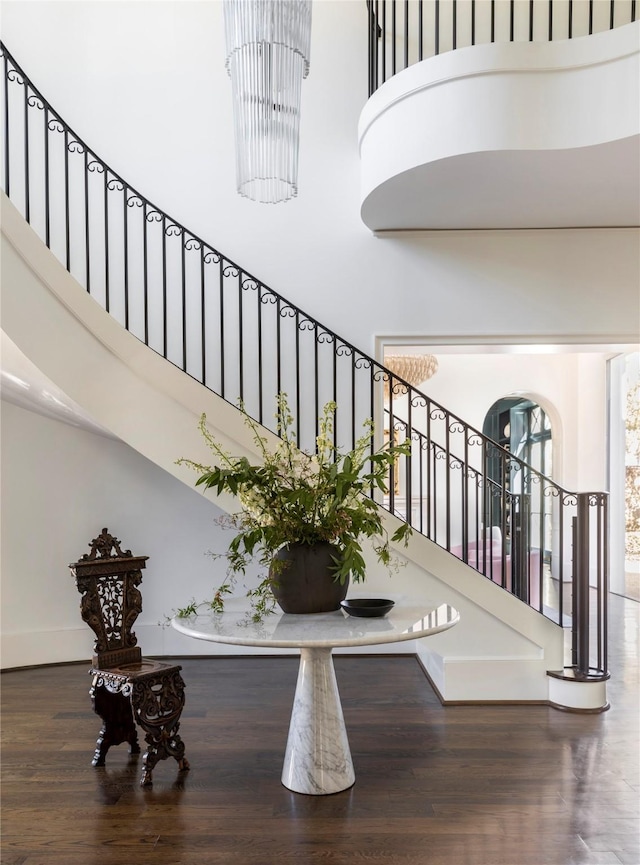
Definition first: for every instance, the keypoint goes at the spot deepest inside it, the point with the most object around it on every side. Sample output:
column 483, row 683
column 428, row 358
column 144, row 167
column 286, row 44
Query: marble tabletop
column 406, row 621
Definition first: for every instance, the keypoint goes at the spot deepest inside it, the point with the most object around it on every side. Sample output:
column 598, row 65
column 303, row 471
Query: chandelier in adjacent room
column 268, row 45
column 412, row 368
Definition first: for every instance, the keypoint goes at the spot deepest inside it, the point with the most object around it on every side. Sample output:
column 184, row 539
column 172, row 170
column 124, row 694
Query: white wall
column 145, row 85
column 61, row 486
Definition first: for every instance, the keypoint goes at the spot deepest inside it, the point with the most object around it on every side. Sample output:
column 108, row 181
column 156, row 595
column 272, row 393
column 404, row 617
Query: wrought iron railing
column 404, row 32
column 227, row 329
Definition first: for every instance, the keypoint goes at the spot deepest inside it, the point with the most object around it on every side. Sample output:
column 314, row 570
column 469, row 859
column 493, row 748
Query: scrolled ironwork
column 363, row 362
column 268, row 297
column 418, row 400
column 55, row 125
column 172, row 229
column 344, row 350
column 325, row 337
column 154, row 216
column 135, row 200
column 96, row 166
column 34, row 101
column 76, row 146
column 248, row 283
column 115, row 185
column 287, row 310
column 15, row 76
column 210, row 256
column 230, row 270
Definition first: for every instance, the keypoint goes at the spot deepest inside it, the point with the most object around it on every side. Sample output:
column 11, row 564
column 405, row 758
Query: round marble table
column 317, row 759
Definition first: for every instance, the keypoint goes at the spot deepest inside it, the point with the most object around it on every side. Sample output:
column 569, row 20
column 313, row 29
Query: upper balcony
column 505, row 135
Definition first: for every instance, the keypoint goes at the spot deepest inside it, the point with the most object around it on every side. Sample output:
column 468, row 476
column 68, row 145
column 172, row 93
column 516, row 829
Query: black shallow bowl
column 367, row 607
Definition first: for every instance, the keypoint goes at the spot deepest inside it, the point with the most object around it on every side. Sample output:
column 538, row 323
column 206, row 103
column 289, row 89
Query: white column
column 317, row 759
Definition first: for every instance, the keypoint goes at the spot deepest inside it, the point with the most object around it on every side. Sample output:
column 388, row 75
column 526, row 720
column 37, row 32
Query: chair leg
column 157, row 701
column 114, row 707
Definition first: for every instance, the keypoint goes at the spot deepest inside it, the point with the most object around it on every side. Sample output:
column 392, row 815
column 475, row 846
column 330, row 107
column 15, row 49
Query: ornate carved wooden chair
column 126, row 687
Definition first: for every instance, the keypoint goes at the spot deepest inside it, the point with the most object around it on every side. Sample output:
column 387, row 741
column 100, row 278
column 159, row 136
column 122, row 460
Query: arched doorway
column 521, row 426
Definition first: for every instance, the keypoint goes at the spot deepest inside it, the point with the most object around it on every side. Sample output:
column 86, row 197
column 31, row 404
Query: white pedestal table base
column 317, row 760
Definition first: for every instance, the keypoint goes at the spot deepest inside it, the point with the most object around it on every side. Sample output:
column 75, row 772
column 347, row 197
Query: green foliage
column 295, row 497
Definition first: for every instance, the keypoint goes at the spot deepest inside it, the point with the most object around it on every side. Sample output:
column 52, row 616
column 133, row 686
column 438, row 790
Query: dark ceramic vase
column 303, row 579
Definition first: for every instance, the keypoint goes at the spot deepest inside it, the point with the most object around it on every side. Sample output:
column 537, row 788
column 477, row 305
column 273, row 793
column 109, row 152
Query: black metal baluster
column 260, row 383
column 67, row 216
column 316, row 383
column 7, row 184
column 421, row 483
column 570, row 21
column 464, row 491
column 473, row 22
column 372, row 38
column 203, row 320
column 550, row 20
column 611, row 15
column 560, row 556
column 447, row 438
column 603, row 587
column 384, row 40
column 454, row 24
column 27, row 195
column 542, row 508
column 420, row 29
column 47, row 190
column 392, row 466
column 408, row 463
column 221, row 324
column 353, row 399
column 87, row 235
column 428, row 462
column 106, row 242
column 125, row 218
column 278, row 351
column 493, row 20
column 590, row 17
column 511, row 20
column 436, row 27
column 184, row 300
column 145, row 272
column 505, row 504
column 393, row 37
column 530, row 20
column 164, row 286
column 297, row 365
column 406, row 33
column 240, row 338
column 335, row 393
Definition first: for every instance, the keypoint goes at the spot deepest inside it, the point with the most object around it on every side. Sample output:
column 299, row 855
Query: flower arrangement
column 293, row 497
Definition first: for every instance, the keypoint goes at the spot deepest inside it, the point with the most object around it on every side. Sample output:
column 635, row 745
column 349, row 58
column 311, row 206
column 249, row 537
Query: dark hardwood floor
column 461, row 785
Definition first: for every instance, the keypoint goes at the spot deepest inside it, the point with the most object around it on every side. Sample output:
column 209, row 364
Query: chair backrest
column 108, row 580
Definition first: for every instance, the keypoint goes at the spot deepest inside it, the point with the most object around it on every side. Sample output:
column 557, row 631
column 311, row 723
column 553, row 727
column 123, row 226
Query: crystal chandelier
column 268, row 43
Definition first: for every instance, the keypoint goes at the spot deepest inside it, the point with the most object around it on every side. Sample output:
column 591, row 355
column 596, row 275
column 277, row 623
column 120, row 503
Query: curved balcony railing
column 228, row 330
column 404, row 32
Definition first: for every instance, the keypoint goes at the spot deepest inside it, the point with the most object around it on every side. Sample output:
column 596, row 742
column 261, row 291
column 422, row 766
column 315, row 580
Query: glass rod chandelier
column 268, row 45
